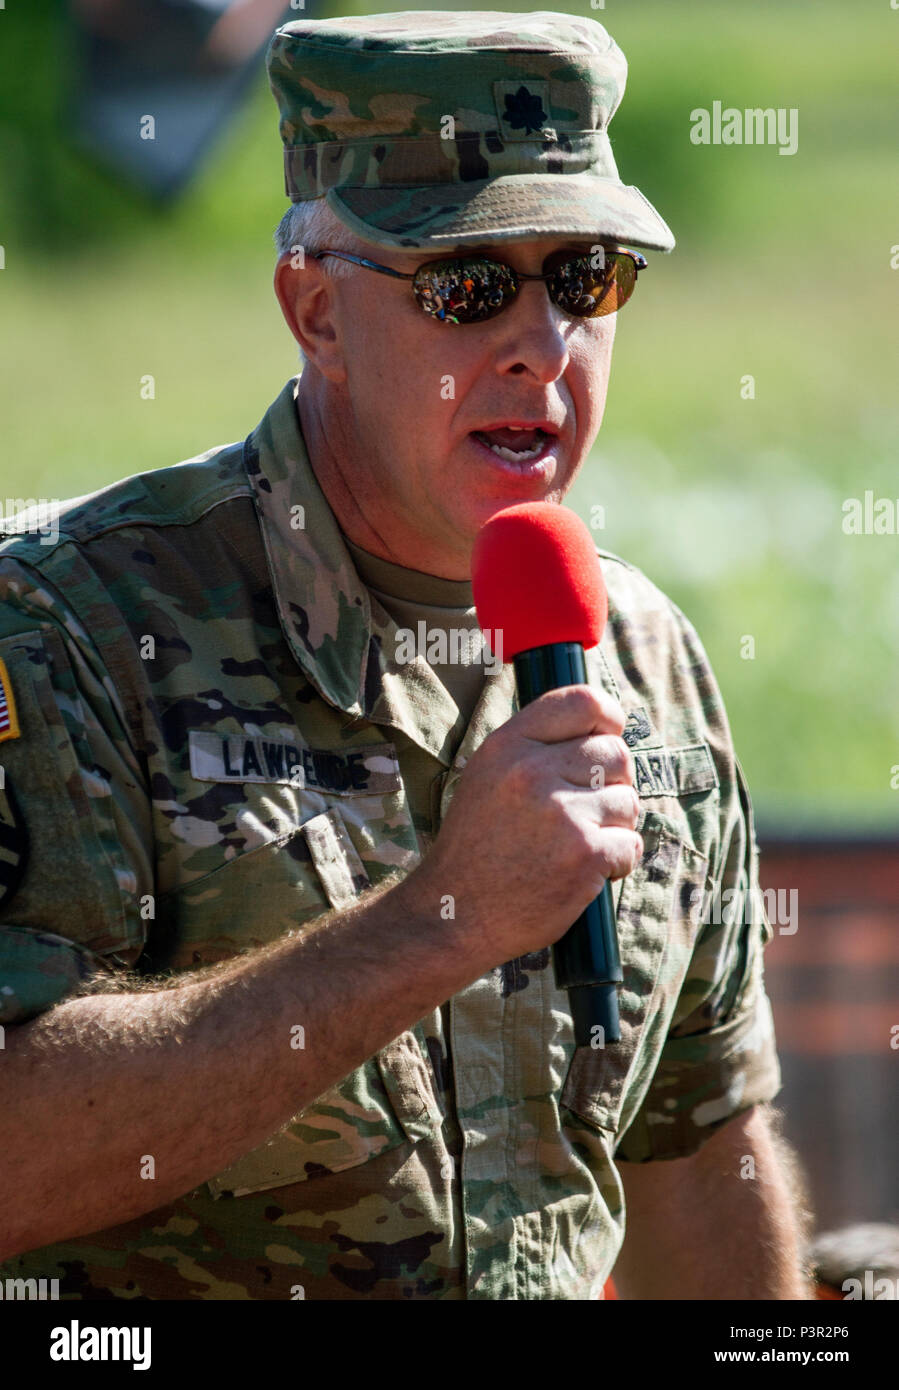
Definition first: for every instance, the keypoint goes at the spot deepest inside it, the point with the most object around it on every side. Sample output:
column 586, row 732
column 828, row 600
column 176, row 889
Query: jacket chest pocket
column 316, row 866
column 277, row 858
column 658, row 913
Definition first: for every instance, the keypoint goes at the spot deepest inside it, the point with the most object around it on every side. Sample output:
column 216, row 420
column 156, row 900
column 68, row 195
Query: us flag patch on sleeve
column 9, row 724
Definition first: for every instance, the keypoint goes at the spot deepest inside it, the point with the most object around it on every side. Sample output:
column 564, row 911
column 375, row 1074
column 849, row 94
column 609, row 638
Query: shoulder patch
column 13, row 842
column 9, row 723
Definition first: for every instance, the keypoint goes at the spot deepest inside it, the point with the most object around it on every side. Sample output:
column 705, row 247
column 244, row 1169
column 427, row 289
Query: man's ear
column 306, row 295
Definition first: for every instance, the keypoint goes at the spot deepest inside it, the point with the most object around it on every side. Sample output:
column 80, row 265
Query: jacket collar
column 342, row 637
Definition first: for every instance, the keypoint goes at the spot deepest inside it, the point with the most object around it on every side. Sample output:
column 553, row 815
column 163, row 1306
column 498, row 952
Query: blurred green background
column 733, row 506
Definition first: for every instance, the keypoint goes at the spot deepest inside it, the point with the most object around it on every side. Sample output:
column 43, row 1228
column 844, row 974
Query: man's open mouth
column 514, row 445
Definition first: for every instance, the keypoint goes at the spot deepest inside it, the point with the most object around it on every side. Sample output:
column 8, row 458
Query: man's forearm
column 198, row 1074
column 728, row 1222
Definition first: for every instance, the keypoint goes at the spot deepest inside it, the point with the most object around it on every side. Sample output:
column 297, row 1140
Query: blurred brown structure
column 834, row 989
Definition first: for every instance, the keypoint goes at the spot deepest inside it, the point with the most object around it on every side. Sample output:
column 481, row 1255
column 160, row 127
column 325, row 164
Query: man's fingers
column 596, row 762
column 614, row 806
column 575, row 711
column 618, row 851
column 618, row 805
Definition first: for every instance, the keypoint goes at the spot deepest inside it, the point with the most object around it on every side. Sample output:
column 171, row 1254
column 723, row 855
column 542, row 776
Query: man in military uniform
column 278, row 896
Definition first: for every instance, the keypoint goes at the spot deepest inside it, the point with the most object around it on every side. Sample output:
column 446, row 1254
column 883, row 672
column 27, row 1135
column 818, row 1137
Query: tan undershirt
column 411, row 597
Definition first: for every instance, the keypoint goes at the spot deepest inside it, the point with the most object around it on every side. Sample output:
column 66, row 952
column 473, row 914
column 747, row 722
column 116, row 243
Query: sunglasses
column 471, row 289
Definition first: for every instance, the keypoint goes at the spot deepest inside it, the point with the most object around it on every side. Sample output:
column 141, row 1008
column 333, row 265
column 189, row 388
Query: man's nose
column 532, row 335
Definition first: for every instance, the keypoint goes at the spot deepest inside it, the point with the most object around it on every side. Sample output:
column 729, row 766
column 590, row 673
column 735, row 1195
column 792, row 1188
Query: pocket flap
column 407, row 1079
column 335, row 857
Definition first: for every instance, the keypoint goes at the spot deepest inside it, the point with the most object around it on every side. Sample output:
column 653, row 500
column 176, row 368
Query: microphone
column 537, row 582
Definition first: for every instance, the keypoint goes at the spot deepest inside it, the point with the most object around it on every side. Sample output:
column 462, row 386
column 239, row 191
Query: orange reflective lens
column 473, row 289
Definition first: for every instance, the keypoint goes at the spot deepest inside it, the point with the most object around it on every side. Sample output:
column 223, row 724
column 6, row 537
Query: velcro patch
column 674, row 771
column 13, row 842
column 369, row 771
column 9, row 723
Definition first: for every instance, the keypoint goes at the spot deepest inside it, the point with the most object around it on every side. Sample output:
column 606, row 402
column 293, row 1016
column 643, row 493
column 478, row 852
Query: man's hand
column 697, row 1228
column 543, row 814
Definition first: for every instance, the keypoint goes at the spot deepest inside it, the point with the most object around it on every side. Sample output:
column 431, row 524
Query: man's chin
column 480, row 512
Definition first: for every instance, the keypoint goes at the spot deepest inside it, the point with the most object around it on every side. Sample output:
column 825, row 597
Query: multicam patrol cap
column 437, row 128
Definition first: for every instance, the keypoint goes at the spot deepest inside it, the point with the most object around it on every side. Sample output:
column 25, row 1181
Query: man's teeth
column 541, row 438
column 519, row 457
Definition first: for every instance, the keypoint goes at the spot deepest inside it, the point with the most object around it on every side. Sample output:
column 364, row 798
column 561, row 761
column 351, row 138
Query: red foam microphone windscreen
column 536, row 579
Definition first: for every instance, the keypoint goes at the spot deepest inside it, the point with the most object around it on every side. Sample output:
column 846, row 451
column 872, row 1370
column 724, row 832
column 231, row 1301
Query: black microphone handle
column 586, row 959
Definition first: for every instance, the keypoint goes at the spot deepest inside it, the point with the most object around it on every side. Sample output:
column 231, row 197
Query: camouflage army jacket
column 210, row 743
